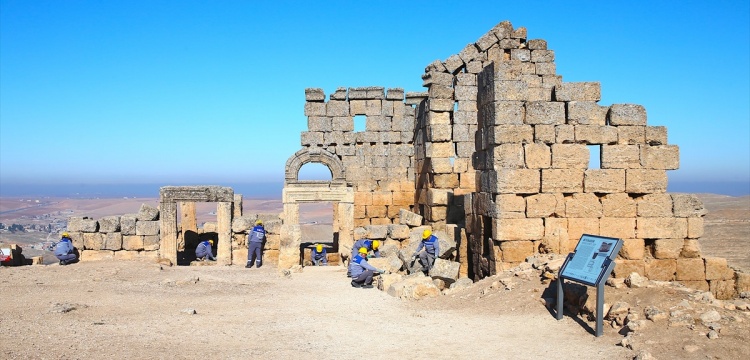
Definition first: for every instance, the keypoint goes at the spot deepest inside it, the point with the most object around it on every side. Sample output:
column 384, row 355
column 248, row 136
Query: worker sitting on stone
column 319, row 255
column 431, row 251
column 64, row 250
column 361, row 271
column 204, row 251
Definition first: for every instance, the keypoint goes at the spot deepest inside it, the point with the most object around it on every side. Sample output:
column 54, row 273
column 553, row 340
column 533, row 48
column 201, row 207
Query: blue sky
column 212, row 92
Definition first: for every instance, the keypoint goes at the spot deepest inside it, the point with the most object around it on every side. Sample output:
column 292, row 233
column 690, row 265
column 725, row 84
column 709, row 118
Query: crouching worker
column 362, row 272
column 204, row 251
column 64, row 250
column 431, row 251
column 319, row 255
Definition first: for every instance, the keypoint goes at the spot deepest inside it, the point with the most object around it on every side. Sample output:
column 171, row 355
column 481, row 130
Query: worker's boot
column 367, row 286
column 249, row 265
column 356, row 284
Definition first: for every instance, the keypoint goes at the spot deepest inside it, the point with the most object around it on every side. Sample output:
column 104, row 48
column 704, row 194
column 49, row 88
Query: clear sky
column 212, row 92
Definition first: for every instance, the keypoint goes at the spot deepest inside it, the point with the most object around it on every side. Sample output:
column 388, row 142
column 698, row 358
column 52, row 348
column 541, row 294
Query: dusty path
column 136, row 310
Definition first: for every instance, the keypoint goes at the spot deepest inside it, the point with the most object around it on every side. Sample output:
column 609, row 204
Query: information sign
column 590, row 259
column 590, row 263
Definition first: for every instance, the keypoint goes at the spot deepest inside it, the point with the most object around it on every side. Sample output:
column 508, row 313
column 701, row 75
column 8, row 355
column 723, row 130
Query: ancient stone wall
column 498, row 148
column 378, row 162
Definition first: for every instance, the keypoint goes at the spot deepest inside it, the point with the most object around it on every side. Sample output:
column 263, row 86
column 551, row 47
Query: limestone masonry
column 495, row 156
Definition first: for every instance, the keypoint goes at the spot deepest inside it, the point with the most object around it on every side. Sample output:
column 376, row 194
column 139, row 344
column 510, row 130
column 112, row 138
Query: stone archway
column 168, row 198
column 298, row 191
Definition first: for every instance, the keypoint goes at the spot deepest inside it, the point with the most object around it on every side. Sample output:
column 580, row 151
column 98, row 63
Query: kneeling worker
column 361, row 270
column 204, row 251
column 64, row 250
column 319, row 255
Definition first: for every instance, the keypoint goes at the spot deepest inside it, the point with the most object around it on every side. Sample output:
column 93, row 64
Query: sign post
column 590, row 264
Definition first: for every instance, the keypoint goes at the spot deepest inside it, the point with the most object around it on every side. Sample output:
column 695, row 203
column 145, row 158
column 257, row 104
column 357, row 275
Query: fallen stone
column 713, row 335
column 710, row 316
column 680, row 318
column 189, row 311
column 635, row 280
column 391, row 264
column 654, row 314
column 414, row 288
column 445, row 270
column 385, row 281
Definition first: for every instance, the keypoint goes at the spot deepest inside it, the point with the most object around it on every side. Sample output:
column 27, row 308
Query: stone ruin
column 494, row 157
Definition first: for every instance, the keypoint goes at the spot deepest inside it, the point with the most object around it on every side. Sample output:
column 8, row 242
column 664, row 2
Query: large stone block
column 510, row 156
column 622, row 228
column 579, row 226
column 656, row 135
column 314, row 94
column 516, row 251
column 127, row 224
column 151, row 242
column 517, row 229
column 595, row 134
column 562, row 180
column 147, row 213
column 723, row 289
column 668, row 248
column 583, row 205
column 570, row 156
column 518, row 181
column 632, row 249
column 627, row 114
column 112, row 241
column 398, row 232
column 604, row 181
column 587, row 113
column 687, row 205
column 623, row 268
column 97, row 255
column 691, row 249
column 717, row 269
column 509, row 113
column 662, row 157
column 578, row 91
column 414, row 288
column 82, row 224
column 132, row 242
column 445, row 270
column 691, row 270
column 109, row 224
column 147, row 227
column 661, row 228
column 654, row 205
column 661, row 269
column 544, row 205
column 620, row 157
column 544, row 112
column 695, row 227
column 618, row 205
column 409, row 218
column 631, row 135
column 643, row 181
column 742, row 282
column 502, row 134
column 539, row 156
column 93, row 241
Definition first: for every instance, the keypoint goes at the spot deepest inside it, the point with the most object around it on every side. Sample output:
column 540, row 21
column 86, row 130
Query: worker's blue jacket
column 257, row 234
column 358, row 265
column 204, row 250
column 431, row 245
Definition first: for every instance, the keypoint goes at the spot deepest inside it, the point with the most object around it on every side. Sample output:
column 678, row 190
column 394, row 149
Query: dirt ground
column 142, row 310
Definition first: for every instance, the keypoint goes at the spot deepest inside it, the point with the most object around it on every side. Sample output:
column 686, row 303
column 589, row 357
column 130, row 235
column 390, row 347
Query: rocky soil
column 143, row 310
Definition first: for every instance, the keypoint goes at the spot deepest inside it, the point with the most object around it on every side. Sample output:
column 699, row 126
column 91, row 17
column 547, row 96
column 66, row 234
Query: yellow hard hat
column 375, row 244
column 319, row 247
column 259, row 222
column 211, row 242
column 426, row 233
column 65, row 234
column 363, row 250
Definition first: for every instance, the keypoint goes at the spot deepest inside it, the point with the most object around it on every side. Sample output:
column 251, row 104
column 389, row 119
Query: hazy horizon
column 272, row 190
